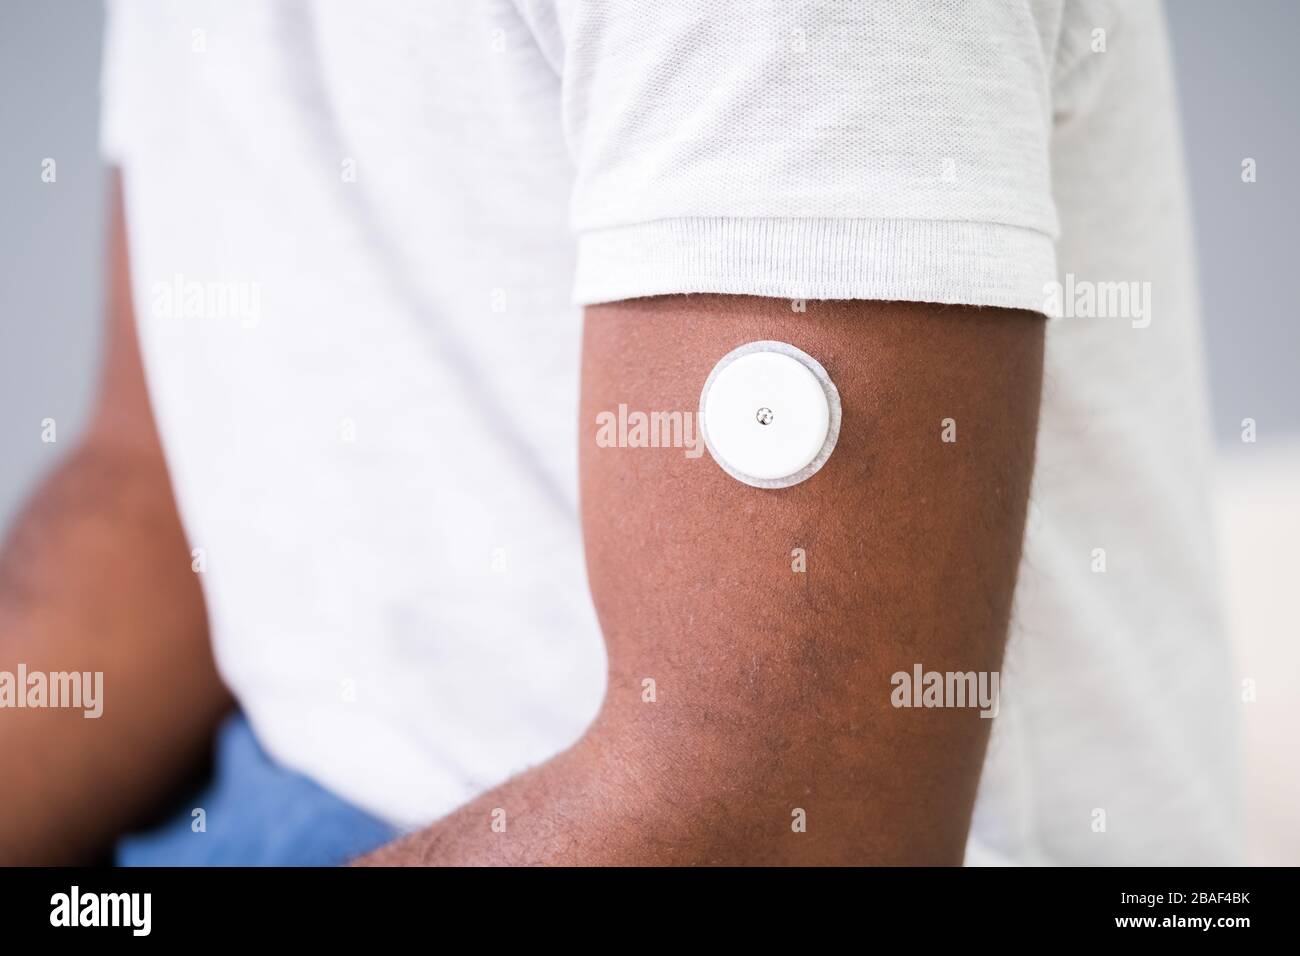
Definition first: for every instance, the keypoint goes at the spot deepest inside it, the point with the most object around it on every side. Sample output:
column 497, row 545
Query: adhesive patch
column 770, row 414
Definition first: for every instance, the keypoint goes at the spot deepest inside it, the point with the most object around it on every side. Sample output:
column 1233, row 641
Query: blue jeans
column 257, row 814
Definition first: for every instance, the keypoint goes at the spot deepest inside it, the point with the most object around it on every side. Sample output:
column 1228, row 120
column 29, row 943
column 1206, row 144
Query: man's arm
column 773, row 686
column 95, row 576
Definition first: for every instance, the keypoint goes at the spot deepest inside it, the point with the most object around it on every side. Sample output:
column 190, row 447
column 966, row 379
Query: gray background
column 1237, row 73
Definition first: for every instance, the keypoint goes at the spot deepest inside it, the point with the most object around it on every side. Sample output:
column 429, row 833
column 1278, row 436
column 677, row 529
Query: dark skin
column 773, row 687
column 95, row 576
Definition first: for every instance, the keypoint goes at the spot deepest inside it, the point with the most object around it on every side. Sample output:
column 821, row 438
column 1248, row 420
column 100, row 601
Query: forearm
column 95, row 578
column 594, row 804
column 623, row 795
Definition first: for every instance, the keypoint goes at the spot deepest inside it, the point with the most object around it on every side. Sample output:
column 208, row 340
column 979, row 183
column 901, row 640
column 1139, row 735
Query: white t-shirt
column 361, row 234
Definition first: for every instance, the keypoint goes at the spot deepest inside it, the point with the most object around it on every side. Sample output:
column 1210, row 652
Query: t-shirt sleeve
column 830, row 150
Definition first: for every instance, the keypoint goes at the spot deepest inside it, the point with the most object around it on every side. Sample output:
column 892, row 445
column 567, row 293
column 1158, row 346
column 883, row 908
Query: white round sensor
column 770, row 414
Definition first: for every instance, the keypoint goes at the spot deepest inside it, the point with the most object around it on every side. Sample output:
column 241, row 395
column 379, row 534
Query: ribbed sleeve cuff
column 965, row 263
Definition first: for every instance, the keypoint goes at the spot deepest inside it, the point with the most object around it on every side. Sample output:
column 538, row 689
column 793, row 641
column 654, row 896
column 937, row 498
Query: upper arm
column 772, row 685
column 852, row 156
